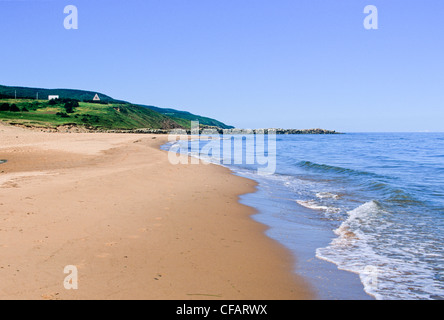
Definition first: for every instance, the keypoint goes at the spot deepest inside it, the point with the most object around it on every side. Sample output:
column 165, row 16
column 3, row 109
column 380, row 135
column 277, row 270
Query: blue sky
column 249, row 63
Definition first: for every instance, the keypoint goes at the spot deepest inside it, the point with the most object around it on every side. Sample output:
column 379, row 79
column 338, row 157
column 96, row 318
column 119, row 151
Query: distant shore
column 135, row 226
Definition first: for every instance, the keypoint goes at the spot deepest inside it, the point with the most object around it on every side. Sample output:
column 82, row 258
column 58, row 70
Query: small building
column 53, row 97
column 96, row 97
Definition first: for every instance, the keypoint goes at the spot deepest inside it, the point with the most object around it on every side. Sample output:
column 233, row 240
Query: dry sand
column 135, row 226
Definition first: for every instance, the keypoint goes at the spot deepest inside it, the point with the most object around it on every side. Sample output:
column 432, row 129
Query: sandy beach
column 135, row 226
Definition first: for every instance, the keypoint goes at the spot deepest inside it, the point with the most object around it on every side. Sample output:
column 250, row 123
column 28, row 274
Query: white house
column 53, row 97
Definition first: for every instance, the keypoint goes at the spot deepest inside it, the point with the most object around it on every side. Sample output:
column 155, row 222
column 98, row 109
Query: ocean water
column 362, row 212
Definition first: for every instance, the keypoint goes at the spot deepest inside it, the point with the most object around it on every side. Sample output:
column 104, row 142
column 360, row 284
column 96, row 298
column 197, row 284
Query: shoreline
column 327, row 281
column 136, row 226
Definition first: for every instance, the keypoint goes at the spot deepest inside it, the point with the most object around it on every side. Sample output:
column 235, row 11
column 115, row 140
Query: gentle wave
column 387, row 272
column 371, row 182
column 390, row 193
column 316, row 206
column 333, row 169
column 327, row 195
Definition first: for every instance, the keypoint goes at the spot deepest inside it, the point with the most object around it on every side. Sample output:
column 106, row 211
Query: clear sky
column 249, row 63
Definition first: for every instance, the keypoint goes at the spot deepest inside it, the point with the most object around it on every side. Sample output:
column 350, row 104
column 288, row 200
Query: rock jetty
column 229, row 131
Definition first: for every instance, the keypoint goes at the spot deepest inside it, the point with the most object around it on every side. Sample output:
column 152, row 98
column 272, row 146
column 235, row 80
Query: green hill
column 90, row 115
column 108, row 113
column 187, row 116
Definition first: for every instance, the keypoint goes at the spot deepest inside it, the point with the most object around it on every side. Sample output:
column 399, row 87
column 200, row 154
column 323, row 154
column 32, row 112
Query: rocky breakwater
column 278, row 131
column 226, row 131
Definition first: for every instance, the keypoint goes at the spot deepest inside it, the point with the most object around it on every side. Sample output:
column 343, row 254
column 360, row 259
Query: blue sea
column 363, row 213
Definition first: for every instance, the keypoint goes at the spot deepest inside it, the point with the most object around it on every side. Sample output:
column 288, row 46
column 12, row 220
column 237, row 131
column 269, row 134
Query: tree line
column 12, row 107
column 9, row 97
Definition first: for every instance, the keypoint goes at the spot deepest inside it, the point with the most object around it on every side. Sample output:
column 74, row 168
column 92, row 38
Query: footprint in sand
column 110, row 244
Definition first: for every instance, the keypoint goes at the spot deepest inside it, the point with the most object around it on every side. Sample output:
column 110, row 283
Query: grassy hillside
column 184, row 115
column 43, row 113
column 140, row 115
